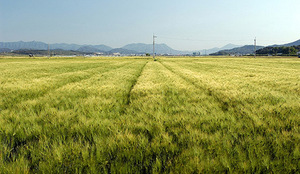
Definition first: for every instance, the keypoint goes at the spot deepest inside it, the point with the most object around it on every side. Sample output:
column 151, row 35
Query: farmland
column 136, row 115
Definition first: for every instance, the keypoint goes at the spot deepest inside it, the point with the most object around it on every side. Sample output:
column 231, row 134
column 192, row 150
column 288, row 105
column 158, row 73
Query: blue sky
column 183, row 25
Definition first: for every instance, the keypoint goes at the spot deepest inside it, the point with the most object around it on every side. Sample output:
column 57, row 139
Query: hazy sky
column 183, row 25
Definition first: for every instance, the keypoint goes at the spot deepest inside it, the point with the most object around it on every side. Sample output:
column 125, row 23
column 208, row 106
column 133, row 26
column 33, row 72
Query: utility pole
column 49, row 51
column 255, row 47
column 154, row 46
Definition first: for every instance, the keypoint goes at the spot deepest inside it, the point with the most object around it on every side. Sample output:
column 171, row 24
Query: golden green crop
column 136, row 115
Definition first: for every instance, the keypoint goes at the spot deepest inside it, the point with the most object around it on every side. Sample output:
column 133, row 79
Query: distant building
column 117, row 54
column 99, row 54
column 196, row 53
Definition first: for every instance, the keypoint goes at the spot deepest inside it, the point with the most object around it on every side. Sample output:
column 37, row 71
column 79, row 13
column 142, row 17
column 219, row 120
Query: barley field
column 136, row 115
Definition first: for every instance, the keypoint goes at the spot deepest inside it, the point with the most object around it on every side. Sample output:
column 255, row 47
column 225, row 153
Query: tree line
column 282, row 50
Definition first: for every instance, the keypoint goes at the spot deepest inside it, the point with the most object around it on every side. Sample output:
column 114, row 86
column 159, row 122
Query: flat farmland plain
column 136, row 115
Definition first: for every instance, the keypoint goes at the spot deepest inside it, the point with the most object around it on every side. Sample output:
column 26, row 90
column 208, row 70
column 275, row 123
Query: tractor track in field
column 224, row 105
column 216, row 96
column 182, row 77
column 4, row 107
column 240, row 110
column 128, row 96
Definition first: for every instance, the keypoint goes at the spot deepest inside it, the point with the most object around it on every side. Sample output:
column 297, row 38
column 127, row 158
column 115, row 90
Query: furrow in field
column 260, row 78
column 222, row 103
column 169, row 118
column 161, row 116
column 185, row 78
column 244, row 102
column 99, row 94
column 70, row 112
column 257, row 65
column 215, row 99
column 258, row 68
column 12, row 100
column 162, row 93
column 128, row 98
column 280, row 82
column 161, row 80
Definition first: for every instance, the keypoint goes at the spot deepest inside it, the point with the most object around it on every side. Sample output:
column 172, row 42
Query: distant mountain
column 24, row 45
column 148, row 48
column 97, row 48
column 89, row 49
column 65, row 46
column 296, row 43
column 43, row 46
column 45, row 52
column 136, row 48
column 5, row 50
column 229, row 46
column 214, row 50
column 247, row 49
column 123, row 51
column 102, row 47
